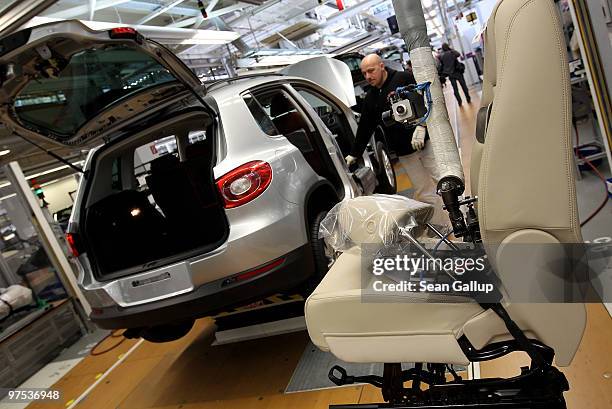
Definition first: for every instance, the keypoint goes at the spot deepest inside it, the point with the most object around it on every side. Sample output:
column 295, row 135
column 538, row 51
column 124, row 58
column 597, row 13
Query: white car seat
column 522, row 173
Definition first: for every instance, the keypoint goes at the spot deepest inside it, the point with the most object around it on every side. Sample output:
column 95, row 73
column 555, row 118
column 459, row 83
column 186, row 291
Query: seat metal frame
column 539, row 386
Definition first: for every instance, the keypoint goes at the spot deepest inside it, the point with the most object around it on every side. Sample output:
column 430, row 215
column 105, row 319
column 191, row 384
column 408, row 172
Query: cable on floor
column 112, row 334
column 599, row 175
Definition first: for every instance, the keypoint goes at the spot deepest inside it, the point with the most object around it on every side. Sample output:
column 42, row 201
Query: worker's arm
column 367, row 125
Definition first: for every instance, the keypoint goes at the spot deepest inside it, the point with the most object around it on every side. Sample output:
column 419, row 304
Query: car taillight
column 72, row 240
column 253, row 273
column 244, row 183
column 123, row 32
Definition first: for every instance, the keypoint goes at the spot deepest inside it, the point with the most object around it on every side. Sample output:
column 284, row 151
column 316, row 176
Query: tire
column 322, row 260
column 387, row 183
column 166, row 332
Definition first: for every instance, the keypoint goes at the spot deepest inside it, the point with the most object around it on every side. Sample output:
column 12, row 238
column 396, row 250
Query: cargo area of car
column 152, row 199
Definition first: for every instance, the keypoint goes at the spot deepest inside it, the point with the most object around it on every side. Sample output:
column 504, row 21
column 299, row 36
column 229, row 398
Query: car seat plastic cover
column 376, row 219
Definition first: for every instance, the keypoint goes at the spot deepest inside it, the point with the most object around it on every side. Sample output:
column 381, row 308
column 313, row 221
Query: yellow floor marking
column 403, row 182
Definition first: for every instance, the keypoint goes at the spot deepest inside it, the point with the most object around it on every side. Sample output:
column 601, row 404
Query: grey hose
column 411, row 22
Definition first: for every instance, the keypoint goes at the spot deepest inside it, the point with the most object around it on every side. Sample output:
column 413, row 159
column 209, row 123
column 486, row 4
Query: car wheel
column 167, row 332
column 386, row 174
column 324, row 255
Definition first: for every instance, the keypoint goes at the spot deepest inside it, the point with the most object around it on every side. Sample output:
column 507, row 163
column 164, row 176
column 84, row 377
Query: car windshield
column 63, row 100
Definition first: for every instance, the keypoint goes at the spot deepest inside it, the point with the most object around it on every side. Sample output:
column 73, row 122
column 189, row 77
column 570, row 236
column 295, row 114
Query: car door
column 336, row 121
column 321, row 104
column 66, row 83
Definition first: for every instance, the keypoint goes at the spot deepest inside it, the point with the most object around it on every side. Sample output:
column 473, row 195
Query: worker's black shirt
column 399, row 136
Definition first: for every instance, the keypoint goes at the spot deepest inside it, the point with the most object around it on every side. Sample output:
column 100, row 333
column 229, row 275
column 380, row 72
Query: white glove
column 418, row 138
column 350, row 160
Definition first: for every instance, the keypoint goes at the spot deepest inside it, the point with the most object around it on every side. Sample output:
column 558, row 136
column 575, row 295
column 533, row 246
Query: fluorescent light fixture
column 46, row 172
column 5, row 152
column 8, row 196
column 9, row 236
column 165, row 35
column 56, row 181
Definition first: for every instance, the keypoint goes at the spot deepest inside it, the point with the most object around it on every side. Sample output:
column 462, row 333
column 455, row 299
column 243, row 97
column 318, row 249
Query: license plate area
column 156, row 285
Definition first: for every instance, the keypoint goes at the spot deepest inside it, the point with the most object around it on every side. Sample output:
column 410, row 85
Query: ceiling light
column 5, row 152
column 8, row 196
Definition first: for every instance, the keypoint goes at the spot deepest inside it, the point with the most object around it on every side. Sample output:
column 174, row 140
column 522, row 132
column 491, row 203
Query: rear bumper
column 211, row 298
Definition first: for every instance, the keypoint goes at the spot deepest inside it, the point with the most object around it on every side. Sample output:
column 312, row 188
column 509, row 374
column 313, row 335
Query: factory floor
column 190, row 373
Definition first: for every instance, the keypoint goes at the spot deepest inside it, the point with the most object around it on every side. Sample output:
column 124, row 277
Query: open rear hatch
column 66, row 83
column 149, row 198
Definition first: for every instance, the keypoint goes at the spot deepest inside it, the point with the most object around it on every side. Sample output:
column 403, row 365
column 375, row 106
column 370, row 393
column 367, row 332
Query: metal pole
column 48, row 239
column 457, row 34
column 444, row 18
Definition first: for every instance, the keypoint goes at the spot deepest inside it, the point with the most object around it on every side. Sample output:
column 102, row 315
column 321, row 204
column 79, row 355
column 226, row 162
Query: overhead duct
column 239, row 42
column 357, row 44
column 447, row 171
column 294, row 32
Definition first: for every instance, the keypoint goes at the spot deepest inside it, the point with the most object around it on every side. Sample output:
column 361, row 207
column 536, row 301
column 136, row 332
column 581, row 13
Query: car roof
column 236, row 85
column 241, row 83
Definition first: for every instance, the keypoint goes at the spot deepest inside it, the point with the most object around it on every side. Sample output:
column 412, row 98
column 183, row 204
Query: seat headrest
column 198, row 149
column 279, row 105
column 376, row 219
column 163, row 163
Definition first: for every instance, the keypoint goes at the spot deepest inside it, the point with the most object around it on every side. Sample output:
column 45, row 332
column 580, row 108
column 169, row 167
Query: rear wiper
column 52, row 154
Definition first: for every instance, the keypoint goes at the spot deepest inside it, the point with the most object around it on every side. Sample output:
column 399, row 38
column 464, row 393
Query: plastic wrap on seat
column 13, row 298
column 376, row 219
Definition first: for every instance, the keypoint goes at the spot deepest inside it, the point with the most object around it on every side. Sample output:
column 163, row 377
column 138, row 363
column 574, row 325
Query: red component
column 244, row 183
column 261, row 270
column 202, row 9
column 122, row 32
column 340, row 4
column 72, row 243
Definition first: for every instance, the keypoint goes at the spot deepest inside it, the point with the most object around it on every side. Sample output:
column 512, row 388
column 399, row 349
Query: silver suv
column 194, row 198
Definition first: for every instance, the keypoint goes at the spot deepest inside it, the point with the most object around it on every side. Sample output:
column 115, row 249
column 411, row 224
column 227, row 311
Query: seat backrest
column 522, row 165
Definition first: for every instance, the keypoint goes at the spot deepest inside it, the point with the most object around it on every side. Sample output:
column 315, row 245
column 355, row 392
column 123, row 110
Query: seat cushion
column 386, row 328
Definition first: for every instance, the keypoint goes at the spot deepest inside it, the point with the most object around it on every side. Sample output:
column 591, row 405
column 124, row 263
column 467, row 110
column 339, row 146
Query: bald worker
column 410, row 142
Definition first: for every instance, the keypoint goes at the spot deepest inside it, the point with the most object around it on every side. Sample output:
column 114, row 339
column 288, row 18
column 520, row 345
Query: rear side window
column 275, row 107
column 89, row 82
column 261, row 117
column 353, row 63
